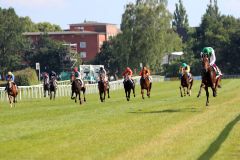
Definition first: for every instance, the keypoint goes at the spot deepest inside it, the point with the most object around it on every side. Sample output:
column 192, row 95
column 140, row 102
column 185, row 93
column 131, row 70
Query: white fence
column 64, row 89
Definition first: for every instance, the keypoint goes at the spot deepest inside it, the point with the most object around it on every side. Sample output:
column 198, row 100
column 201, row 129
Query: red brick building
column 88, row 36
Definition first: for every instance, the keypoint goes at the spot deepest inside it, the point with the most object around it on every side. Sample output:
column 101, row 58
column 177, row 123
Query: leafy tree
column 11, row 41
column 180, row 21
column 47, row 27
column 51, row 55
column 147, row 33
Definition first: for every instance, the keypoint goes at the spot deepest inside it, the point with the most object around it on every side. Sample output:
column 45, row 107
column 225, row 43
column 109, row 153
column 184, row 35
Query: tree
column 147, row 33
column 51, row 55
column 180, row 21
column 11, row 41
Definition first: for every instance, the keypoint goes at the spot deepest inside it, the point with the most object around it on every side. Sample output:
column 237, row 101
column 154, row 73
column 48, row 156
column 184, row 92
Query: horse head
column 205, row 63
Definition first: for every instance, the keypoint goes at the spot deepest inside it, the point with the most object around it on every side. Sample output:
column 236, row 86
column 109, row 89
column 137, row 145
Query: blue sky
column 64, row 12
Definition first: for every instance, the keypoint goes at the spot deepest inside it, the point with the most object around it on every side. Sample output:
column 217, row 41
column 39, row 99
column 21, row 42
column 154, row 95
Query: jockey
column 77, row 75
column 45, row 76
column 102, row 72
column 10, row 78
column 184, row 68
column 145, row 73
column 128, row 74
column 209, row 52
column 53, row 75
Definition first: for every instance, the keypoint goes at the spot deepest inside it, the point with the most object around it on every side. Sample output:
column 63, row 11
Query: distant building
column 88, row 37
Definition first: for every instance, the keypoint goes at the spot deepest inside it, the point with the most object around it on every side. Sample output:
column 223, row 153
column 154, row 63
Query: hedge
column 26, row 77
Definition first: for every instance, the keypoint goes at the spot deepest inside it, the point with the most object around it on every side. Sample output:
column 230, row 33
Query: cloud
column 36, row 3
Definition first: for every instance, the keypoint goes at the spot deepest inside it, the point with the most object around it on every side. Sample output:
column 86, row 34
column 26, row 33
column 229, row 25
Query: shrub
column 26, row 77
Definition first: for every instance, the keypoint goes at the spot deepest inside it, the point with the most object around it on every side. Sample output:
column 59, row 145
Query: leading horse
column 77, row 87
column 186, row 83
column 145, row 84
column 128, row 86
column 209, row 79
column 103, row 87
column 12, row 93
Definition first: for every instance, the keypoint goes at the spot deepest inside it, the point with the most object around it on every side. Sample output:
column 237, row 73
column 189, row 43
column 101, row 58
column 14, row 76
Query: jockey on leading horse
column 209, row 52
column 145, row 73
column 78, row 76
column 127, row 74
column 10, row 78
column 184, row 68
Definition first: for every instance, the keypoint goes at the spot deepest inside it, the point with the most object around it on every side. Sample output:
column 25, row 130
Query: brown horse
column 145, row 84
column 103, row 87
column 186, row 83
column 77, row 87
column 12, row 93
column 208, row 79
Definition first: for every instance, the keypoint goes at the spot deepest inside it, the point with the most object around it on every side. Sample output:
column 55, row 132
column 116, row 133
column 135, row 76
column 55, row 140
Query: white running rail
column 64, row 89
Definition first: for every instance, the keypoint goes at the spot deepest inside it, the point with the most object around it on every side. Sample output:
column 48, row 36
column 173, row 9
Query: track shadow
column 167, row 111
column 215, row 146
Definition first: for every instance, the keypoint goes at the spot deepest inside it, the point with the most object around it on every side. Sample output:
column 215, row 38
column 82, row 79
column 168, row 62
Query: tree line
column 148, row 33
column 17, row 52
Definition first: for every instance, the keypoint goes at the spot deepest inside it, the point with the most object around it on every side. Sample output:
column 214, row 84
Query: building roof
column 86, row 23
column 61, row 33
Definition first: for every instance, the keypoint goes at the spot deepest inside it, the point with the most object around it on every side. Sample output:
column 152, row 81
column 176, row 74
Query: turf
column 164, row 126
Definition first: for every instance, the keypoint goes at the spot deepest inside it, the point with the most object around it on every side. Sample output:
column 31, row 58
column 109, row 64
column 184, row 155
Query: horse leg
column 148, row 93
column 10, row 100
column 142, row 92
column 50, row 95
column 126, row 93
column 133, row 90
column 200, row 90
column 79, row 97
column 184, row 91
column 76, row 97
column 84, row 94
column 72, row 95
column 108, row 93
column 181, row 91
column 104, row 95
column 207, row 94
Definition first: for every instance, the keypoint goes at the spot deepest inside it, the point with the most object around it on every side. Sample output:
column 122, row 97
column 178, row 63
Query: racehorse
column 186, row 83
column 209, row 79
column 103, row 87
column 12, row 93
column 128, row 86
column 145, row 84
column 52, row 88
column 77, row 87
column 46, row 87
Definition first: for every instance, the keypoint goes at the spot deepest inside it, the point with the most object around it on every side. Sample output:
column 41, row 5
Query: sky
column 64, row 12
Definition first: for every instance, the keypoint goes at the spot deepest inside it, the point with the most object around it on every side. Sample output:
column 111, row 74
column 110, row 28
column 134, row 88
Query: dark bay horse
column 77, row 87
column 128, row 86
column 12, row 93
column 186, row 83
column 52, row 88
column 46, row 87
column 145, row 84
column 103, row 87
column 209, row 79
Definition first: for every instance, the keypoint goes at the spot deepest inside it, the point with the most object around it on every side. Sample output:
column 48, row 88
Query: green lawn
column 165, row 126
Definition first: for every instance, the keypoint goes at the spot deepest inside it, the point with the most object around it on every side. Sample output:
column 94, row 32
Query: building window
column 83, row 54
column 83, row 44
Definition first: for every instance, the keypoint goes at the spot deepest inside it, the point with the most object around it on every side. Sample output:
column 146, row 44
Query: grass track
column 165, row 126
